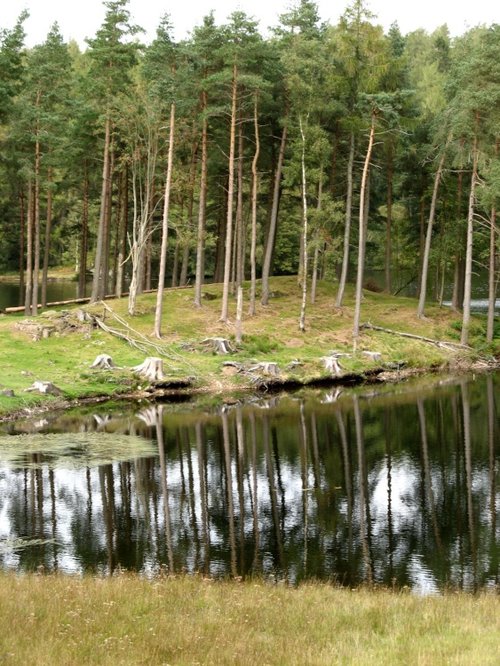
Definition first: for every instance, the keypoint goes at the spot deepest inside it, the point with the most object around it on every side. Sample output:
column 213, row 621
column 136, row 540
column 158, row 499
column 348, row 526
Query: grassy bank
column 65, row 357
column 126, row 620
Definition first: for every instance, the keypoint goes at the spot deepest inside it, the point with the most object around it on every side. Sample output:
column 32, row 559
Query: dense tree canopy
column 267, row 154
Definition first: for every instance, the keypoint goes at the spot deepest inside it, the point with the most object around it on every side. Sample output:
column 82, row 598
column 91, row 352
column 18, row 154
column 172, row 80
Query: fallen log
column 439, row 343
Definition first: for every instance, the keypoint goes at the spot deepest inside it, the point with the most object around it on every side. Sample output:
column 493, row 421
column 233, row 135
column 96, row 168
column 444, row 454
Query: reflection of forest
column 396, row 489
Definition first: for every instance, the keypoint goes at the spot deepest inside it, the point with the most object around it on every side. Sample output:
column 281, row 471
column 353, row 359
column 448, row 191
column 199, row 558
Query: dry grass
column 128, row 620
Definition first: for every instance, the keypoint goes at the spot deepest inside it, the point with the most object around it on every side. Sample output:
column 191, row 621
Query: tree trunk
column 266, row 267
column 240, row 232
column 98, row 280
column 388, row 235
column 314, row 280
column 347, row 229
column 29, row 253
column 492, row 282
column 362, row 235
column 458, row 291
column 175, row 265
column 107, row 226
column 21, row 245
column 164, row 234
column 36, row 231
column 122, row 233
column 84, row 236
column 184, row 265
column 48, row 227
column 200, row 244
column 428, row 236
column 302, row 319
column 464, row 339
column 230, row 195
column 255, row 190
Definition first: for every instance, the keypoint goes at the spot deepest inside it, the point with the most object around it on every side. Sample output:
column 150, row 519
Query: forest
column 332, row 152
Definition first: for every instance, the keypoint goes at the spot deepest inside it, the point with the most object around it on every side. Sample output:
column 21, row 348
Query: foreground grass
column 128, row 620
column 272, row 334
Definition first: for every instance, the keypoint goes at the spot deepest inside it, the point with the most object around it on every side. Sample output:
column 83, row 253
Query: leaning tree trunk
column 200, row 244
column 464, row 338
column 457, row 295
column 347, row 229
column 266, row 267
column 427, row 248
column 362, row 236
column 255, row 190
column 302, row 319
column 98, row 281
column 230, row 196
column 164, row 233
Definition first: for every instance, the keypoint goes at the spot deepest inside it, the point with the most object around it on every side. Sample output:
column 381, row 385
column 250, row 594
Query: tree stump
column 47, row 388
column 270, row 369
column 332, row 364
column 103, row 362
column 151, row 368
column 218, row 345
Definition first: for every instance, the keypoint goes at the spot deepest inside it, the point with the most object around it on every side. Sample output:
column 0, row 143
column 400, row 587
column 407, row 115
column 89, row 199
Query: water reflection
column 398, row 489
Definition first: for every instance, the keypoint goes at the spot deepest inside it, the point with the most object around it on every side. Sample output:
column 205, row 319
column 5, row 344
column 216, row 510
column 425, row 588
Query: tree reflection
column 396, row 488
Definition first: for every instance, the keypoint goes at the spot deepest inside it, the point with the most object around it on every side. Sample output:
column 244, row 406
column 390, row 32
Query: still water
column 397, row 486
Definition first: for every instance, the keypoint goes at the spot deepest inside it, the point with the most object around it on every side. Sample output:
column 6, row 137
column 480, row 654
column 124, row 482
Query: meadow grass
column 189, row 620
column 273, row 334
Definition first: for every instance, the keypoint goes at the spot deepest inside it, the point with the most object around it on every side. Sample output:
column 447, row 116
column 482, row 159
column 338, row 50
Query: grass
column 128, row 620
column 273, row 334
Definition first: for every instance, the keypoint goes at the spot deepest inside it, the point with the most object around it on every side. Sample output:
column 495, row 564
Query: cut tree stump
column 218, row 345
column 151, row 368
column 103, row 362
column 331, row 362
column 47, row 388
column 266, row 368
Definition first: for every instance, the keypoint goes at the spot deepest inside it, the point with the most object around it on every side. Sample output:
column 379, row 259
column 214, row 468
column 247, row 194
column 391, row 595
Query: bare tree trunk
column 98, row 284
column 492, row 281
column 48, row 227
column 164, row 234
column 255, row 190
column 362, row 236
column 240, row 234
column 428, row 237
column 82, row 273
column 347, row 228
column 21, row 245
column 464, row 338
column 314, row 280
column 388, row 235
column 29, row 253
column 36, row 231
column 457, row 296
column 184, row 264
column 230, row 195
column 302, row 319
column 200, row 245
column 266, row 267
column 122, row 233
column 175, row 265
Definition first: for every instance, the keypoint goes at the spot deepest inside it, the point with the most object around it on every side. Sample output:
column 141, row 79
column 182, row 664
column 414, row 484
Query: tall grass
column 128, row 620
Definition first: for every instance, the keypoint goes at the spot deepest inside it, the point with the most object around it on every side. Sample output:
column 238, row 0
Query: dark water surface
column 398, row 487
column 57, row 290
